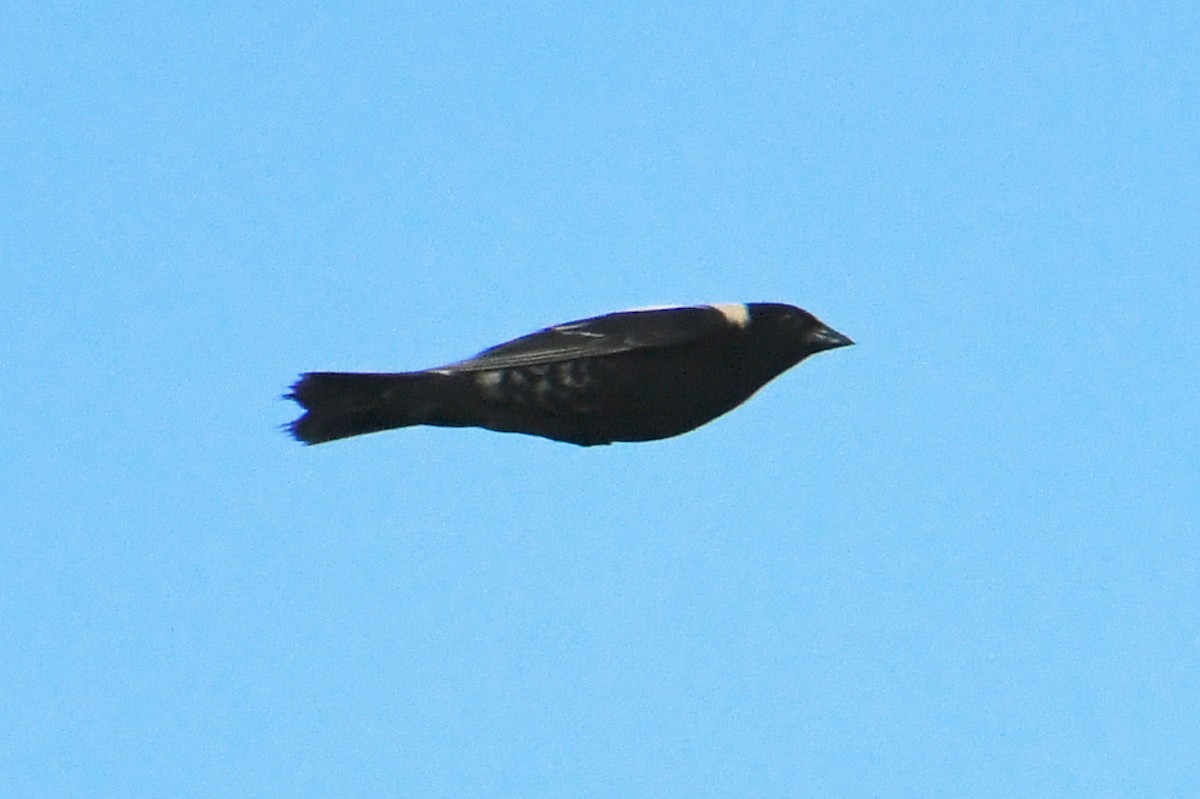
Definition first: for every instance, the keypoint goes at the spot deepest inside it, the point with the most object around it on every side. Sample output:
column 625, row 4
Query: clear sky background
column 959, row 559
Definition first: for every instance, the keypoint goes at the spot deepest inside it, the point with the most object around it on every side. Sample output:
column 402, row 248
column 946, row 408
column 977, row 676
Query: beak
column 826, row 338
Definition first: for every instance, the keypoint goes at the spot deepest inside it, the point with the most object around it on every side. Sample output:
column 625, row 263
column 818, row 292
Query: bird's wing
column 607, row 335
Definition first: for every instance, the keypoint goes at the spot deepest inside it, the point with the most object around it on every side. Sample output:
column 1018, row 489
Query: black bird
column 630, row 376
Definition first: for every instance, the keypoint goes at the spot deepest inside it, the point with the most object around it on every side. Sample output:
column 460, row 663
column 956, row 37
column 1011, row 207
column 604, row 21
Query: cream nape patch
column 738, row 313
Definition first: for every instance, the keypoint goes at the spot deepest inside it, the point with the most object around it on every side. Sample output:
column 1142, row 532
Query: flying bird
column 630, row 376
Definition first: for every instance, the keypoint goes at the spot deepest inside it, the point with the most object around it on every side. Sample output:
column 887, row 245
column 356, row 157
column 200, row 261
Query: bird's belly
column 602, row 400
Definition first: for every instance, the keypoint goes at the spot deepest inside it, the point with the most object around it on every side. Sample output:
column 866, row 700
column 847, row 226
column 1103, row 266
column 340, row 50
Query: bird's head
column 793, row 329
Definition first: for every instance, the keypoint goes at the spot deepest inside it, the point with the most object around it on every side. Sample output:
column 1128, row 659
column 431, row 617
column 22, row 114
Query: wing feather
column 604, row 335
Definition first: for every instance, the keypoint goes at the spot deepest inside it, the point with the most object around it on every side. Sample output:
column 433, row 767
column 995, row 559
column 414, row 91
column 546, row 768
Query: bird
column 637, row 375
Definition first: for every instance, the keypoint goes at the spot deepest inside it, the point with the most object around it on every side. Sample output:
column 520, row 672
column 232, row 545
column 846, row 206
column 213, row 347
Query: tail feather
column 344, row 404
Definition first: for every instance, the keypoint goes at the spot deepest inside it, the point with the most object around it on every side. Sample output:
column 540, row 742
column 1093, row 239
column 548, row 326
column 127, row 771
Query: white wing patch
column 576, row 329
column 736, row 312
column 641, row 308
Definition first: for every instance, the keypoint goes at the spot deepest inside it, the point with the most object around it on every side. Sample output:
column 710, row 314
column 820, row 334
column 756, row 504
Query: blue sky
column 961, row 558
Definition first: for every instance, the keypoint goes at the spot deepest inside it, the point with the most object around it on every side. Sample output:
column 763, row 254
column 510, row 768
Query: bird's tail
column 344, row 404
